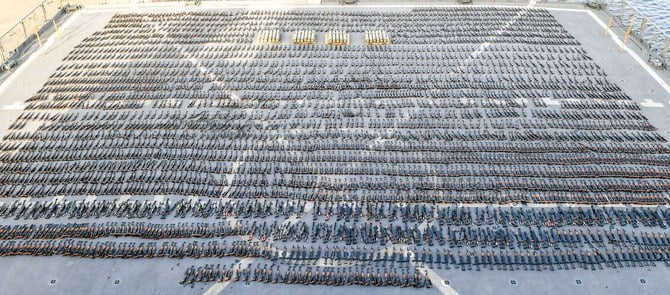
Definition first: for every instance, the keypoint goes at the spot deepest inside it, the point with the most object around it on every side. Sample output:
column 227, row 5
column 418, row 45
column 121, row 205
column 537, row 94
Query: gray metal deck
column 68, row 275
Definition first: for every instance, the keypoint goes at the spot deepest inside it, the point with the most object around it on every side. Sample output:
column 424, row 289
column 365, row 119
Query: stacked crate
column 269, row 37
column 337, row 38
column 304, row 37
column 377, row 37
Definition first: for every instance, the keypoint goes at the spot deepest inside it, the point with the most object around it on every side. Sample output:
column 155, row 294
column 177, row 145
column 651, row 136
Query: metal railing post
column 2, row 53
column 666, row 46
column 25, row 32
column 622, row 10
column 53, row 21
column 609, row 25
column 39, row 39
column 44, row 12
column 630, row 28
column 643, row 26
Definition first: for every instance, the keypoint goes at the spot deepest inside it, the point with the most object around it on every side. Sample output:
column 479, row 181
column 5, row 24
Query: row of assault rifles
column 338, row 211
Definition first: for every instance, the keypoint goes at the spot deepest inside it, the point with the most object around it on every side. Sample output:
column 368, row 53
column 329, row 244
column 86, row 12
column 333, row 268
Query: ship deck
column 70, row 275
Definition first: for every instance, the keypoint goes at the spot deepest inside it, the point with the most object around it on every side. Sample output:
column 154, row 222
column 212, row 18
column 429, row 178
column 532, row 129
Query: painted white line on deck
column 15, row 106
column 493, row 37
column 433, row 276
column 549, row 101
column 218, row 287
column 651, row 104
column 230, row 177
column 438, row 282
column 637, row 58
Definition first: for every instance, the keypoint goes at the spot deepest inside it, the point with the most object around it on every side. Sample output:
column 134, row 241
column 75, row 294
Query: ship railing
column 652, row 38
column 31, row 29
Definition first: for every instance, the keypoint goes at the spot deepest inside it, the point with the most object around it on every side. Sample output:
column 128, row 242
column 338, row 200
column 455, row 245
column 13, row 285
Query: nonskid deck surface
column 334, row 165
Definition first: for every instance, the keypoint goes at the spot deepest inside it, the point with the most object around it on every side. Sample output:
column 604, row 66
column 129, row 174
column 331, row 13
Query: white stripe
column 651, row 104
column 438, row 282
column 549, row 101
column 15, row 106
column 493, row 37
column 218, row 287
column 434, row 277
